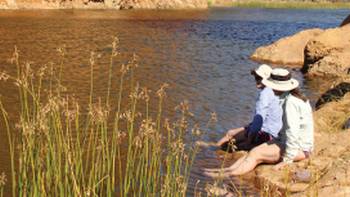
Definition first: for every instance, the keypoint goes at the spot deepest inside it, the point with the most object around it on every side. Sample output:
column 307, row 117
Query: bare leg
column 268, row 153
column 264, row 153
column 217, row 172
column 300, row 156
column 230, row 134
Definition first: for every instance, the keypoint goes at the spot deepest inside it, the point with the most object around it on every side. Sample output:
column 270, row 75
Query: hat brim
column 285, row 86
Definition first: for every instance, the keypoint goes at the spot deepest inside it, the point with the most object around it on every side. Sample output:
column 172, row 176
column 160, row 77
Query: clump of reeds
column 57, row 149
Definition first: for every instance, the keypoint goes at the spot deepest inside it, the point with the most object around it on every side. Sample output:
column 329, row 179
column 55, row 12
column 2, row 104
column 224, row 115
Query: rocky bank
column 103, row 4
column 140, row 4
column 318, row 53
column 286, row 51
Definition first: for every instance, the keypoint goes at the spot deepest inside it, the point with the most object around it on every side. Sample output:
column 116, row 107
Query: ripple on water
column 203, row 55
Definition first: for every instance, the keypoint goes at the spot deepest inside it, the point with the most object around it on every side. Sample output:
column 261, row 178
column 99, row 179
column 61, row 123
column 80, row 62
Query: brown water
column 202, row 55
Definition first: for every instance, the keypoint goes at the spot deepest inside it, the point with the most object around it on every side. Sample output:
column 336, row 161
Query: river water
column 203, row 55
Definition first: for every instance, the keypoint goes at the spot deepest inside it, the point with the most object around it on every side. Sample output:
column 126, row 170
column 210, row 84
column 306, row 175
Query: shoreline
column 284, row 5
column 330, row 119
column 209, row 4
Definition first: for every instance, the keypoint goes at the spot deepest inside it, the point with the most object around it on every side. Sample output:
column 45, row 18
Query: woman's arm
column 262, row 104
column 261, row 109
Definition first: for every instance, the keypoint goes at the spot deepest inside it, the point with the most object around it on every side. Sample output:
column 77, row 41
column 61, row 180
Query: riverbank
column 103, row 4
column 280, row 4
column 319, row 54
column 169, row 4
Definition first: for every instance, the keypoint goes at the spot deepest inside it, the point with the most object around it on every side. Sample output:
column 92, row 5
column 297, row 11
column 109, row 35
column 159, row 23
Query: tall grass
column 57, row 149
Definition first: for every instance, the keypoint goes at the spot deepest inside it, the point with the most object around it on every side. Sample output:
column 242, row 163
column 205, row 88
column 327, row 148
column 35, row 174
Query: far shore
column 281, row 4
column 210, row 4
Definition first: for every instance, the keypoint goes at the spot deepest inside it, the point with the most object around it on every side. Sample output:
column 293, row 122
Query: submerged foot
column 217, row 170
column 218, row 174
column 207, row 145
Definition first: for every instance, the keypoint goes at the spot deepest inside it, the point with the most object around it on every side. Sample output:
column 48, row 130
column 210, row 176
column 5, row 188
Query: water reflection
column 202, row 55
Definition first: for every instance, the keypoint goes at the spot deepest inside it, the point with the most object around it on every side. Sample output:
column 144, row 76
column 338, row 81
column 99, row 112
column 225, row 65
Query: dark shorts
column 259, row 138
column 262, row 137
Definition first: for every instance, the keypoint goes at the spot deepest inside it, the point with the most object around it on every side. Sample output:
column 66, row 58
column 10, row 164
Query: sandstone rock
column 345, row 21
column 333, row 94
column 328, row 53
column 332, row 116
column 335, row 63
column 169, row 4
column 302, row 176
column 335, row 182
column 103, row 4
column 286, row 51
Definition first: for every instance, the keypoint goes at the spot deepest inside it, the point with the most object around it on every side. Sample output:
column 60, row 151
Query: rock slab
column 328, row 53
column 286, row 51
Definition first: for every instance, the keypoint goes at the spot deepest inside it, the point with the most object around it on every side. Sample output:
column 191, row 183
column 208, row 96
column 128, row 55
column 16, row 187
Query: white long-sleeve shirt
column 298, row 128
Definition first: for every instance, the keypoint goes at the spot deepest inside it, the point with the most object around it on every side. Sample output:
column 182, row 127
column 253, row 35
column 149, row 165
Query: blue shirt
column 268, row 113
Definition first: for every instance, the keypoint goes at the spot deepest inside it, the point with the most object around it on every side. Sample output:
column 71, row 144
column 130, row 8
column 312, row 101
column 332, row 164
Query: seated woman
column 295, row 141
column 267, row 120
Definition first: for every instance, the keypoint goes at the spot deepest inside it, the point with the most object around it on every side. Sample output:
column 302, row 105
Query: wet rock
column 345, row 21
column 347, row 124
column 286, row 51
column 333, row 94
column 328, row 53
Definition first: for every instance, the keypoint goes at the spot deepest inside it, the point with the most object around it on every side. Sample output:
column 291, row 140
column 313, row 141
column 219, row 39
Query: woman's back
column 298, row 128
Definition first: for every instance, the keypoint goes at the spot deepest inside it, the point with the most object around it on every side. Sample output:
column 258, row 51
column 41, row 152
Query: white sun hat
column 281, row 80
column 263, row 71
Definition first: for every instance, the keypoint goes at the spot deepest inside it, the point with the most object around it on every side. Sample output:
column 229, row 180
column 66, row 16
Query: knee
column 254, row 153
column 257, row 152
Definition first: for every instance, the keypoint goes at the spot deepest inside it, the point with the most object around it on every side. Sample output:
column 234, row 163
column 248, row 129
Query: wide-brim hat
column 281, row 80
column 262, row 71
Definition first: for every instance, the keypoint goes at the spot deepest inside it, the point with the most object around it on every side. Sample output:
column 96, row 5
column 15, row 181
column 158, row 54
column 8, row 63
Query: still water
column 202, row 55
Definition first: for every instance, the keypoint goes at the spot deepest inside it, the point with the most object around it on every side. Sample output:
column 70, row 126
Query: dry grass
column 332, row 116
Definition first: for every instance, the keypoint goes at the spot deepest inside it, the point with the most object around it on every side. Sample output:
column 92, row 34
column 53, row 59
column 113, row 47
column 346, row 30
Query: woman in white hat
column 267, row 121
column 295, row 141
column 297, row 134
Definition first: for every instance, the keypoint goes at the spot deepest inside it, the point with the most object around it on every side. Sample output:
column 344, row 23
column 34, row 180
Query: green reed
column 59, row 149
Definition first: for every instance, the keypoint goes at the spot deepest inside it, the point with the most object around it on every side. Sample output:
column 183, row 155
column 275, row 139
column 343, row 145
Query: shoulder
column 291, row 101
column 268, row 92
column 297, row 102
